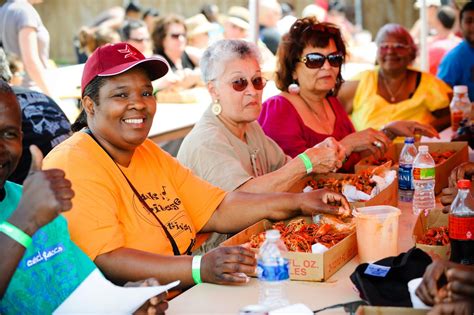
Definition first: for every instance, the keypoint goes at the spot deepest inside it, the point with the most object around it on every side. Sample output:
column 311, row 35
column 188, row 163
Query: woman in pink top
column 310, row 57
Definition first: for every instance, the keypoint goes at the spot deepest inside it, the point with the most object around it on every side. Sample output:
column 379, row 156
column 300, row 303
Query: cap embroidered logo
column 128, row 53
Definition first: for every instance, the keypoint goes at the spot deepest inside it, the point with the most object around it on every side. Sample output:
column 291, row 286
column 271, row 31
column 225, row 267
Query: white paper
column 294, row 309
column 318, row 248
column 97, row 295
column 382, row 182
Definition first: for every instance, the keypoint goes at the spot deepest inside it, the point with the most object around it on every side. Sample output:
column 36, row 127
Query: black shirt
column 43, row 124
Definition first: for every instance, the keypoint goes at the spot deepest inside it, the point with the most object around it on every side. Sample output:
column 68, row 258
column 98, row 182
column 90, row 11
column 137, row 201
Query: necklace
column 393, row 96
column 323, row 121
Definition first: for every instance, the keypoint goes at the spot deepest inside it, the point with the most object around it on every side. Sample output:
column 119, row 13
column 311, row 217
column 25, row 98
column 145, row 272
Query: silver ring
column 378, row 144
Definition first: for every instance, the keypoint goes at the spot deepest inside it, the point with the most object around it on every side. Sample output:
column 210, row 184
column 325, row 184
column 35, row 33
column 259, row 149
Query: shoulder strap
column 137, row 194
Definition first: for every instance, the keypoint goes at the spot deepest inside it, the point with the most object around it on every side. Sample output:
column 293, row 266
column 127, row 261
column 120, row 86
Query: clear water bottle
column 460, row 107
column 405, row 169
column 424, row 181
column 273, row 271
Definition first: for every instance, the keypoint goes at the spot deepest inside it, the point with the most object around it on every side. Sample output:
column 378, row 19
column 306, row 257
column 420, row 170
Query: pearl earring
column 294, row 88
column 216, row 108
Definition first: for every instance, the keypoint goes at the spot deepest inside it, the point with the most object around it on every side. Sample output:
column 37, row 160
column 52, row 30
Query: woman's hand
column 463, row 307
column 155, row 305
column 447, row 197
column 324, row 201
column 369, row 139
column 428, row 289
column 227, row 265
column 463, row 171
column 457, row 284
column 408, row 128
column 461, row 282
column 326, row 156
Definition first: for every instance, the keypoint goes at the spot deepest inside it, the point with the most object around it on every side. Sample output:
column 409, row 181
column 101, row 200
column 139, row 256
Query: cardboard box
column 388, row 196
column 306, row 266
column 442, row 170
column 435, row 218
column 385, row 310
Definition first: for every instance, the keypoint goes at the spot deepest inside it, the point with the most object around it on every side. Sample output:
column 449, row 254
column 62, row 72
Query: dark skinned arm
column 239, row 210
column 45, row 195
column 222, row 265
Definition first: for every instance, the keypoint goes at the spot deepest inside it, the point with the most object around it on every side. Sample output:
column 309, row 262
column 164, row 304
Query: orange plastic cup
column 377, row 232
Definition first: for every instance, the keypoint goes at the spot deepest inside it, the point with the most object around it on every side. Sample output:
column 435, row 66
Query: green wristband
column 15, row 233
column 196, row 265
column 307, row 162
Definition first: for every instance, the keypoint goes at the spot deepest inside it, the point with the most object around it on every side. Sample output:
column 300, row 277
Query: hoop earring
column 294, row 88
column 216, row 108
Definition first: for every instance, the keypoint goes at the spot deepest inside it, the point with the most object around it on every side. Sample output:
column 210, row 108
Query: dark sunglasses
column 177, row 35
column 316, row 60
column 241, row 84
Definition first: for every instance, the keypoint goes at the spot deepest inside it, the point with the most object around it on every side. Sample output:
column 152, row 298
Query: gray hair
column 398, row 31
column 218, row 54
column 5, row 73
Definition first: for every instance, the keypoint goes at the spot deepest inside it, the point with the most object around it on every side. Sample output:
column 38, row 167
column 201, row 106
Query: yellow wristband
column 307, row 162
column 15, row 233
column 196, row 268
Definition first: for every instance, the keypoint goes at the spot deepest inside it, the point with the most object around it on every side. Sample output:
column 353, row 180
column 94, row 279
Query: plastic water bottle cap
column 460, row 89
column 464, row 184
column 409, row 140
column 423, row 148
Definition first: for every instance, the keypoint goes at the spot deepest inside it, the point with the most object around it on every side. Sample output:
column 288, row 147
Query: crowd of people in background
column 236, row 166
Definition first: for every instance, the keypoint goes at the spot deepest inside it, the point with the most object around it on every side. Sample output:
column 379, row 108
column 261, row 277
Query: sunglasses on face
column 241, row 84
column 317, row 60
column 397, row 47
column 177, row 35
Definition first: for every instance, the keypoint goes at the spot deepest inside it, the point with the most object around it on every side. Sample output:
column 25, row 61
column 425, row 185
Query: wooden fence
column 63, row 18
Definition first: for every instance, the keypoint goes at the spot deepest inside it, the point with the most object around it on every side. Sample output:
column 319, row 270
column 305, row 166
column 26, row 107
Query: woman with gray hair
column 394, row 90
column 227, row 147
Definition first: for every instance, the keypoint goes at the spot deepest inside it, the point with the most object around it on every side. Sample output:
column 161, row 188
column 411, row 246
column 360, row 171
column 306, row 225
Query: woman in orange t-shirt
column 135, row 206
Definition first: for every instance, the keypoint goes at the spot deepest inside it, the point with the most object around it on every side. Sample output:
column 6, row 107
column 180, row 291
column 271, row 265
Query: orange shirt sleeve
column 93, row 221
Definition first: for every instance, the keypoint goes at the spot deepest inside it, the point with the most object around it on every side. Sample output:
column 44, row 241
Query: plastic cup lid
column 376, row 212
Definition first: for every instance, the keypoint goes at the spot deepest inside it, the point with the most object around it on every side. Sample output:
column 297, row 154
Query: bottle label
column 423, row 173
column 461, row 228
column 404, row 177
column 277, row 272
column 456, row 118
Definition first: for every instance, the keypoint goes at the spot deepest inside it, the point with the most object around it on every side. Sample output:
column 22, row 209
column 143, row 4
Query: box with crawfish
column 299, row 234
column 447, row 155
column 361, row 180
column 431, row 234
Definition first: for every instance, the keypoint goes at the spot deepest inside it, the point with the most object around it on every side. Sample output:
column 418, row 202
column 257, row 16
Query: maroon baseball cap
column 113, row 59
